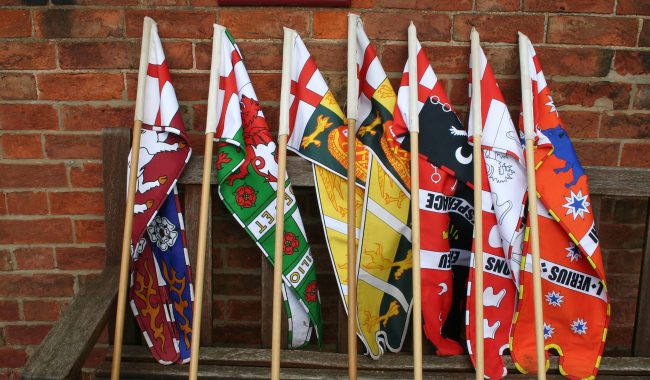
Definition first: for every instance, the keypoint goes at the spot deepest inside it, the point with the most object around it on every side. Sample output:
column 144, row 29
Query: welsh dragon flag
column 575, row 308
column 247, row 172
column 504, row 193
column 384, row 291
column 161, row 286
column 446, row 210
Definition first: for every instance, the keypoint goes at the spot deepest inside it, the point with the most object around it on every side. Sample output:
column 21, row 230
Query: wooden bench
column 63, row 351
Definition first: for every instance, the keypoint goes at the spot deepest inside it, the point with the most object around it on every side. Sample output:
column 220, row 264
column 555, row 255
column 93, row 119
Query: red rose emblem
column 311, row 292
column 291, row 243
column 245, row 196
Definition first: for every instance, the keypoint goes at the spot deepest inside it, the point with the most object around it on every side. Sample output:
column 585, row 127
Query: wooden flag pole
column 130, row 200
column 477, row 125
column 210, row 129
column 414, row 129
column 352, row 111
column 529, row 133
column 283, row 134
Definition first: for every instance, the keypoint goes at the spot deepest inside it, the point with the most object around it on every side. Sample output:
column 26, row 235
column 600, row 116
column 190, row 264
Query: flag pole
column 130, row 199
column 529, row 133
column 477, row 125
column 352, row 111
column 283, row 134
column 210, row 129
column 414, row 129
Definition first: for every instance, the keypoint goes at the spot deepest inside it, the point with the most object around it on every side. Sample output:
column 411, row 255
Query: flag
column 446, row 210
column 318, row 133
column 575, row 302
column 384, row 288
column 161, row 286
column 247, row 172
column 504, row 193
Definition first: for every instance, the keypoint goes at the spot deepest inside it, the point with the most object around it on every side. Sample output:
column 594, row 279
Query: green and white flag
column 247, row 173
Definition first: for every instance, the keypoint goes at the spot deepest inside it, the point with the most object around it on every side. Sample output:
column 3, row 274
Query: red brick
column 243, row 258
column 247, row 334
column 3, row 203
column 257, row 55
column 362, row 4
column 12, row 357
column 621, row 236
column 188, row 86
column 73, row 146
column 16, row 231
column 164, row 2
column 438, row 5
column 42, row 310
column 497, row 5
column 267, row 86
column 642, row 97
column 324, row 53
column 27, row 55
column 96, row 357
column 37, row 285
column 570, row 6
column 624, row 261
column 27, row 203
column 74, row 258
column 240, row 284
column 644, row 37
column 597, row 153
column 633, row 7
column 95, row 118
column 589, row 30
column 98, row 55
column 630, row 210
column 34, row 258
column 268, row 22
column 65, row 23
column 6, row 261
column 21, row 146
column 80, row 86
column 28, row 117
column 330, row 24
column 32, row 175
column 623, row 126
column 101, row 2
column 239, row 310
column 393, row 26
column 636, row 155
column 87, row 175
column 76, row 203
column 503, row 60
column 509, row 25
column 17, row 87
column 575, row 61
column 9, row 311
column 23, row 335
column 580, row 124
column 178, row 55
column 15, row 23
column 181, row 24
column 632, row 62
column 611, row 95
column 89, row 231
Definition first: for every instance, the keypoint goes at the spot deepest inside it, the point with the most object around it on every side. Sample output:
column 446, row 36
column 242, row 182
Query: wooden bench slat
column 641, row 344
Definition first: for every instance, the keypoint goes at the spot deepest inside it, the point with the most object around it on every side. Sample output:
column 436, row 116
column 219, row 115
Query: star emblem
column 579, row 326
column 577, row 205
column 573, row 252
column 548, row 331
column 551, row 105
column 554, row 298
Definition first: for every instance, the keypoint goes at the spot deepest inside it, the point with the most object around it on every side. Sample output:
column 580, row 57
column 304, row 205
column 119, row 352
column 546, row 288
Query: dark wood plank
column 641, row 345
column 191, row 212
column 66, row 346
column 266, row 326
column 341, row 328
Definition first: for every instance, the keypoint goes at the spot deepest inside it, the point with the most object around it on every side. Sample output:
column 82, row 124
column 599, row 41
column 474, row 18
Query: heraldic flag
column 504, row 192
column 446, row 209
column 576, row 309
column 247, row 172
column 384, row 289
column 319, row 134
column 161, row 286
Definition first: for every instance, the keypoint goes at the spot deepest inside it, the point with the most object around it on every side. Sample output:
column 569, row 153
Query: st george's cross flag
column 247, row 172
column 318, row 133
column 575, row 303
column 504, row 193
column 384, row 287
column 161, row 287
column 446, row 210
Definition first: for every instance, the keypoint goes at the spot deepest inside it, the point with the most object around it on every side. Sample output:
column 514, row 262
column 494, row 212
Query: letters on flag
column 575, row 305
column 504, row 193
column 247, row 172
column 161, row 286
column 446, row 210
column 385, row 261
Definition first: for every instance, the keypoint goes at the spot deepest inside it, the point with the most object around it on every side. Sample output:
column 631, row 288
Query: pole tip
column 149, row 20
column 354, row 16
column 218, row 27
column 474, row 33
column 411, row 25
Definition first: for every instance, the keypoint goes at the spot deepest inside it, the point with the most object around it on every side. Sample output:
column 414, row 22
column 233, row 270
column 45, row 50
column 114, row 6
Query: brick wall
column 68, row 69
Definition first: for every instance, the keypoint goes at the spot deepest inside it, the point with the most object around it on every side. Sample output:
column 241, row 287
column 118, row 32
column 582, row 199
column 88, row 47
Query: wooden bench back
column 603, row 181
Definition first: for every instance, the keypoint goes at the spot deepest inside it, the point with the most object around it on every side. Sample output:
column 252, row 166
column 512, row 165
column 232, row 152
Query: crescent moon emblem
column 443, row 286
column 462, row 159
